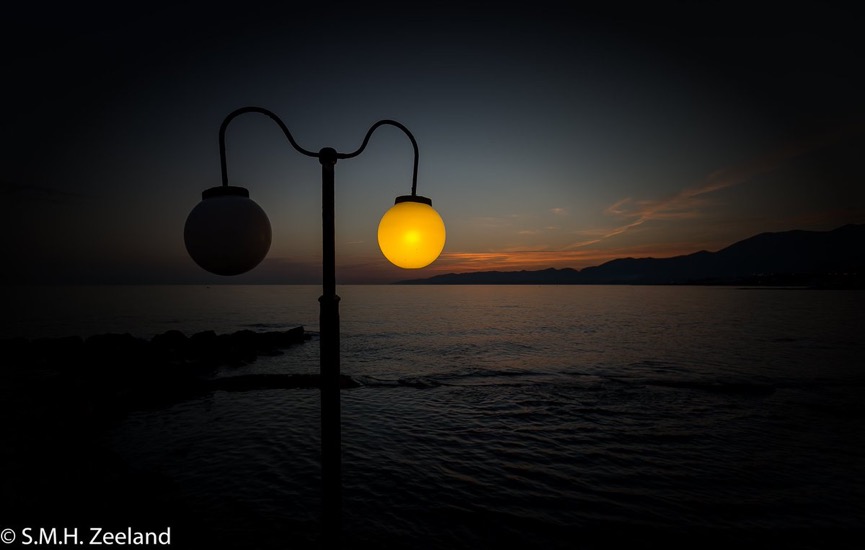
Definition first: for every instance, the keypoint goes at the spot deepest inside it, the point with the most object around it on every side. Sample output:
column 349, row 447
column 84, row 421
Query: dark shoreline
column 59, row 397
column 114, row 373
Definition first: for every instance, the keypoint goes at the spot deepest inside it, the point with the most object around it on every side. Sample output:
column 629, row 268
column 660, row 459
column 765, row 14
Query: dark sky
column 549, row 135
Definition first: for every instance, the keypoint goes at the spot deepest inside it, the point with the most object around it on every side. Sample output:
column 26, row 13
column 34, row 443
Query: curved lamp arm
column 366, row 140
column 263, row 111
column 301, row 150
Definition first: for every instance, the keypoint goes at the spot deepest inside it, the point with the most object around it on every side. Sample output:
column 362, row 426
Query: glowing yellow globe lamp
column 411, row 234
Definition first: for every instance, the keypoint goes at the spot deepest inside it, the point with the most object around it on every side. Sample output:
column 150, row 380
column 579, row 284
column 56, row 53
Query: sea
column 581, row 416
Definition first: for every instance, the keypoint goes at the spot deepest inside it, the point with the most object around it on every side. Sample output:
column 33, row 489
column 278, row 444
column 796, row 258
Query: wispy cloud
column 508, row 260
column 689, row 203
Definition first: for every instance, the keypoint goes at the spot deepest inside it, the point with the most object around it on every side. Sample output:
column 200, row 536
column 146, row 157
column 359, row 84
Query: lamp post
column 227, row 233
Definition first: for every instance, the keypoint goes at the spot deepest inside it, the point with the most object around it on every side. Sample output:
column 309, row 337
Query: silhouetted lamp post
column 227, row 233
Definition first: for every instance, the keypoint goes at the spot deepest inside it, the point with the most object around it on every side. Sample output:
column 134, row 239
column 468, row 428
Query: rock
column 106, row 353
column 109, row 373
column 170, row 345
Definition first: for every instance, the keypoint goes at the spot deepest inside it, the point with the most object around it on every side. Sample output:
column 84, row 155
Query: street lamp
column 227, row 233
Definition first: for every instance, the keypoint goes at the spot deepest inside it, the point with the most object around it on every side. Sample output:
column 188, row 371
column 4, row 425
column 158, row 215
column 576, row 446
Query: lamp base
column 413, row 198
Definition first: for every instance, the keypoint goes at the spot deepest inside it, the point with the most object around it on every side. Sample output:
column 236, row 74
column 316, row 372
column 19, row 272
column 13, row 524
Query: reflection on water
column 534, row 416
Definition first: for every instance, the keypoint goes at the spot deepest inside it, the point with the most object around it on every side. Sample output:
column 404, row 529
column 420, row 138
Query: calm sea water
column 530, row 415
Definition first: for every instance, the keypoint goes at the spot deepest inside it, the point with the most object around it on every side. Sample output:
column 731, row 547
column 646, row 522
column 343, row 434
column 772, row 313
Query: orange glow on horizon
column 461, row 262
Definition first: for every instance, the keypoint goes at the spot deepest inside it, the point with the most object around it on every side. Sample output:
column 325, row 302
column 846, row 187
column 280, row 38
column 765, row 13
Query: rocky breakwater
column 59, row 397
column 112, row 373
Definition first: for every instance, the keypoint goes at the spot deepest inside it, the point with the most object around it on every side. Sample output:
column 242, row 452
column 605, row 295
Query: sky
column 550, row 134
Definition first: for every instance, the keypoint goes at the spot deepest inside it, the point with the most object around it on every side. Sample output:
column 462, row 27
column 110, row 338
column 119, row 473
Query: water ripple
column 635, row 414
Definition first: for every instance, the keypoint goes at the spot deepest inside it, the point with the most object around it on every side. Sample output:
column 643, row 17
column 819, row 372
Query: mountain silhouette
column 833, row 259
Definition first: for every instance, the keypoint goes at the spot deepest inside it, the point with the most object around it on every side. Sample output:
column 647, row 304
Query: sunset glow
column 556, row 138
column 632, row 318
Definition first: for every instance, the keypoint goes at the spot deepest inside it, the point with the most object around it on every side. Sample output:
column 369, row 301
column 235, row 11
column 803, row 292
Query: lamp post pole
column 331, row 456
column 228, row 234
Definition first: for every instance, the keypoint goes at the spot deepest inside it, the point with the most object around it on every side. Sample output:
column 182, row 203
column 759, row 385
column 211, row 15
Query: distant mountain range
column 830, row 259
